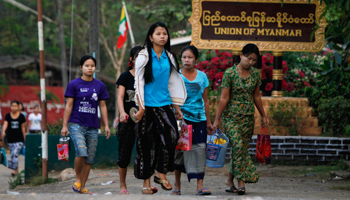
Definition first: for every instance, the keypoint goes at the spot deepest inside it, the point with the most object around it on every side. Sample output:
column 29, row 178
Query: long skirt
column 193, row 162
column 239, row 129
column 156, row 136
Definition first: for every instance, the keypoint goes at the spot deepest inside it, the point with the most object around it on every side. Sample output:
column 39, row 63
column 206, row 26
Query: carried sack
column 63, row 149
column 185, row 140
column 216, row 149
column 263, row 147
column 3, row 159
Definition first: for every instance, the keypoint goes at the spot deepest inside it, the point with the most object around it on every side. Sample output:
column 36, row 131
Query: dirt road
column 276, row 182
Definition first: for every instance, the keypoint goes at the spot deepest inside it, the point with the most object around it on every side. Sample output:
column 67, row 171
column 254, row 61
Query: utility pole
column 62, row 45
column 44, row 150
column 94, row 47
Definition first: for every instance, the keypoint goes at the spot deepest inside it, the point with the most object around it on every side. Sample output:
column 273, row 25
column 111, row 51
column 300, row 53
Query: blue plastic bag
column 3, row 157
column 23, row 151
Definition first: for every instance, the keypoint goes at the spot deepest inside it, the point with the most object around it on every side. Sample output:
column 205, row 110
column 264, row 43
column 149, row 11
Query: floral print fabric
column 238, row 121
column 241, row 91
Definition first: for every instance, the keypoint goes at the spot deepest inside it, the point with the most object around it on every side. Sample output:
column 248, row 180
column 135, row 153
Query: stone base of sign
column 307, row 124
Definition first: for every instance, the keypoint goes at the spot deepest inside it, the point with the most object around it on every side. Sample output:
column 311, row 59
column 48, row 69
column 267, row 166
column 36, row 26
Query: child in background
column 34, row 121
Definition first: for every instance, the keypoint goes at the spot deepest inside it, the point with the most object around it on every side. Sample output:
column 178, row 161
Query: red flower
column 211, row 74
column 219, row 75
column 216, row 52
column 269, row 86
column 301, row 73
column 306, row 83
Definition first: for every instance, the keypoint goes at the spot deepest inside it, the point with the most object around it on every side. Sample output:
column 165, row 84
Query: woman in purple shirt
column 80, row 120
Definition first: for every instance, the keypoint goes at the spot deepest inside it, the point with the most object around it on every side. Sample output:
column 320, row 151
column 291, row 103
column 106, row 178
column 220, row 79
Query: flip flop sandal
column 232, row 189
column 176, row 192
column 77, row 185
column 123, row 192
column 162, row 182
column 241, row 190
column 85, row 191
column 204, row 193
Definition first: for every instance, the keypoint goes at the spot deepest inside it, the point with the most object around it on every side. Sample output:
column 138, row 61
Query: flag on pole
column 123, row 27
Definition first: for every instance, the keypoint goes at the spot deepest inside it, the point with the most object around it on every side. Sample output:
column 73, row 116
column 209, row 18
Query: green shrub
column 18, row 180
column 54, row 128
column 334, row 115
column 287, row 115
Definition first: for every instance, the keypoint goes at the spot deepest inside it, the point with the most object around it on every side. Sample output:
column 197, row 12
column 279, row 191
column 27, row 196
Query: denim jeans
column 84, row 140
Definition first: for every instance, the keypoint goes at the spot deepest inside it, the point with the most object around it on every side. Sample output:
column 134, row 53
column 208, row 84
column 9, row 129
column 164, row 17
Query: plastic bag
column 3, row 159
column 62, row 152
column 263, row 147
column 185, row 140
column 23, row 151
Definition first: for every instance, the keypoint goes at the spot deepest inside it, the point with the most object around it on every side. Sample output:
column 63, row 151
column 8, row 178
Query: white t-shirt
column 35, row 121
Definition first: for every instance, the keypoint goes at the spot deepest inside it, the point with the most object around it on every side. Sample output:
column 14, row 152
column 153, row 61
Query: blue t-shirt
column 193, row 109
column 156, row 92
column 87, row 95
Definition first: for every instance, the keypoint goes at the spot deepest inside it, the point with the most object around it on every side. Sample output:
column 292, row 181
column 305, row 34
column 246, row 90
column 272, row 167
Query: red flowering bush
column 214, row 66
column 216, row 62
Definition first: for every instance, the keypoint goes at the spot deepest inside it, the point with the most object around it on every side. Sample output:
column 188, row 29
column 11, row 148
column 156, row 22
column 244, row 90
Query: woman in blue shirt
column 159, row 89
column 196, row 112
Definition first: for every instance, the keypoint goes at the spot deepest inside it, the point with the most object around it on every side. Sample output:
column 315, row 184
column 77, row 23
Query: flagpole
column 129, row 25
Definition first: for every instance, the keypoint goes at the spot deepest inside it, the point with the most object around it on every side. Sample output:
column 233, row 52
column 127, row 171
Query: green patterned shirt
column 241, row 99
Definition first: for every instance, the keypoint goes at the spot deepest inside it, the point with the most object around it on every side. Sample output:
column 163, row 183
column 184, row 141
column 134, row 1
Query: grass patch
column 341, row 187
column 38, row 180
column 321, row 170
column 18, row 180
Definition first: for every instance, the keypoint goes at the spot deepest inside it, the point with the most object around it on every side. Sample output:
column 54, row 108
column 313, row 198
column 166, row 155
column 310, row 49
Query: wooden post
column 44, row 147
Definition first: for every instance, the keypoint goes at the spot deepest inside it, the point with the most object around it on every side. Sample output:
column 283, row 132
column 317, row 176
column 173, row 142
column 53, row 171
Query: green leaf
column 338, row 58
column 347, row 5
column 327, row 72
column 179, row 16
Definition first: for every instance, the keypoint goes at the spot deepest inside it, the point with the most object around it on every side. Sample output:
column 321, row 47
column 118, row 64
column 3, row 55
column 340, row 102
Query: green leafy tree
column 174, row 13
column 337, row 14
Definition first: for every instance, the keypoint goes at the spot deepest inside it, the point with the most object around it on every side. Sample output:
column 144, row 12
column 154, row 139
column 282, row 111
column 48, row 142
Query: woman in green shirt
column 240, row 91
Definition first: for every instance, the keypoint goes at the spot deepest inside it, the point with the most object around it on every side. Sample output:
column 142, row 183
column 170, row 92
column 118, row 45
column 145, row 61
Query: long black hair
column 252, row 48
column 148, row 76
column 134, row 52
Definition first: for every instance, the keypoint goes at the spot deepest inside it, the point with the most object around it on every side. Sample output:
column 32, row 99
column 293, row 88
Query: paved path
column 276, row 183
column 5, row 174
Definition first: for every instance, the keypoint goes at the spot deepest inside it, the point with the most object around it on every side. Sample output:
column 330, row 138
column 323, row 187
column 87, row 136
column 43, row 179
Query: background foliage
column 318, row 76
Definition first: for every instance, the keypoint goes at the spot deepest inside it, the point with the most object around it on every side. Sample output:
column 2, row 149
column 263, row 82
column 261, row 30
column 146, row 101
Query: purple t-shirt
column 87, row 95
